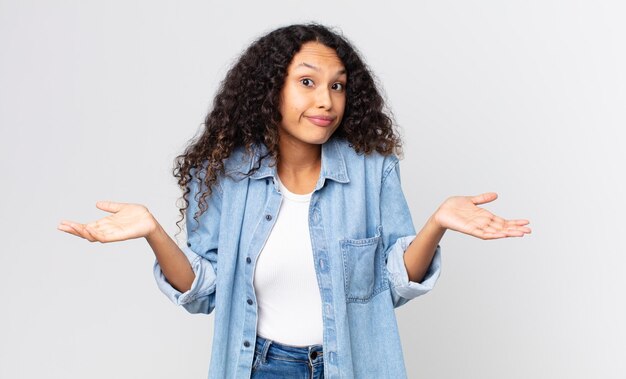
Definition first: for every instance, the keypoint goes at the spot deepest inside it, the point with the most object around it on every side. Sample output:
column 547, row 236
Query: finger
column 93, row 234
column 80, row 229
column 502, row 224
column 497, row 222
column 485, row 233
column 511, row 232
column 68, row 229
column 93, row 224
column 491, row 236
column 83, row 230
column 495, row 233
column 99, row 230
column 484, row 198
column 68, row 222
column 514, row 225
column 523, row 230
column 514, row 233
column 104, row 233
column 491, row 229
column 109, row 206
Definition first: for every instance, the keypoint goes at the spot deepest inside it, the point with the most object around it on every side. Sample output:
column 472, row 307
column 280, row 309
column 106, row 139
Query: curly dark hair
column 246, row 113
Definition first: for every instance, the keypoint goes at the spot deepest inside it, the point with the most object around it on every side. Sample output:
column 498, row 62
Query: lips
column 321, row 120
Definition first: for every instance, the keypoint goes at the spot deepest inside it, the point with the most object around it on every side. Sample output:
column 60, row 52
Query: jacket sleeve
column 201, row 251
column 398, row 232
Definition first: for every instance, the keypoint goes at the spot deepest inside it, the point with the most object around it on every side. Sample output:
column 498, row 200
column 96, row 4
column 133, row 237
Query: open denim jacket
column 360, row 227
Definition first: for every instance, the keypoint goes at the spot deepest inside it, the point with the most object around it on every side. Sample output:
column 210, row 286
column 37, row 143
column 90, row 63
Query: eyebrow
column 342, row 71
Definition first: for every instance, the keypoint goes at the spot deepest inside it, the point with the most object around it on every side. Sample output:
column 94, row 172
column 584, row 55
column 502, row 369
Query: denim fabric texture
column 274, row 360
column 360, row 227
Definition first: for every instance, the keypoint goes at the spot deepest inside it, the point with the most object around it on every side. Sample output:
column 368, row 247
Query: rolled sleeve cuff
column 399, row 277
column 203, row 284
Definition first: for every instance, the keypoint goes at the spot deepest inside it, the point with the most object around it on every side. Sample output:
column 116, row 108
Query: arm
column 398, row 236
column 130, row 221
column 194, row 290
column 461, row 214
column 173, row 262
column 414, row 262
column 420, row 253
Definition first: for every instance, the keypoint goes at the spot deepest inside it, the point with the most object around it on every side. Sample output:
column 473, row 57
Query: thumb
column 484, row 198
column 109, row 206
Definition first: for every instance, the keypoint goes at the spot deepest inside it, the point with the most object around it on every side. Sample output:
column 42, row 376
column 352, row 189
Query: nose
column 323, row 98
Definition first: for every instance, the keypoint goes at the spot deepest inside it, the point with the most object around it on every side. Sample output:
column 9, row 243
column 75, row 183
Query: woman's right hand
column 127, row 221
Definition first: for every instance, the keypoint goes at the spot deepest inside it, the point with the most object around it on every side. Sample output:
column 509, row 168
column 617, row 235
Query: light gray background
column 524, row 98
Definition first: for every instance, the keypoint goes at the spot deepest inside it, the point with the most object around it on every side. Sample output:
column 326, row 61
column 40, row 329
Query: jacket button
column 268, row 217
column 246, row 343
column 313, row 354
column 188, row 244
column 250, row 301
column 248, row 260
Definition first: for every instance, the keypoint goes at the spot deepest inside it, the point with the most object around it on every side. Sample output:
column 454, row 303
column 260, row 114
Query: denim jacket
column 360, row 227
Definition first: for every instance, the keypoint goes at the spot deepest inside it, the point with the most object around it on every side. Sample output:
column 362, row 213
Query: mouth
column 321, row 120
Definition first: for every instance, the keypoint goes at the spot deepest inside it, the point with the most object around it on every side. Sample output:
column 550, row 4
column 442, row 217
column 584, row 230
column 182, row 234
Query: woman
column 298, row 233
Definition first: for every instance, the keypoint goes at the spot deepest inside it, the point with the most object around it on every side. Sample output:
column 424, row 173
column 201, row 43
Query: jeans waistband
column 267, row 347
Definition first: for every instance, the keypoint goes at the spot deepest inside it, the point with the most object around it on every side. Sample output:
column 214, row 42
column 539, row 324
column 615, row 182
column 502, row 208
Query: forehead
column 317, row 54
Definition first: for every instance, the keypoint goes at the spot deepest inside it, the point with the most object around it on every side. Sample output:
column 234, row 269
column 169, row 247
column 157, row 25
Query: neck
column 299, row 166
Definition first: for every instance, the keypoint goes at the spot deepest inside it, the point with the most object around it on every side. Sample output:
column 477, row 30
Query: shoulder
column 240, row 160
column 372, row 163
column 235, row 167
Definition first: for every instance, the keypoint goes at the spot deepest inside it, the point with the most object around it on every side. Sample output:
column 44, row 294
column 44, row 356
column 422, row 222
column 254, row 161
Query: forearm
column 419, row 254
column 172, row 260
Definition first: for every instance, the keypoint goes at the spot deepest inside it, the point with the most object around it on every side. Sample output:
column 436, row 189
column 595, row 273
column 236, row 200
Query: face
column 313, row 97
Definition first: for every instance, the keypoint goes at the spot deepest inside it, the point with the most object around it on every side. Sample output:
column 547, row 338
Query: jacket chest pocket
column 363, row 268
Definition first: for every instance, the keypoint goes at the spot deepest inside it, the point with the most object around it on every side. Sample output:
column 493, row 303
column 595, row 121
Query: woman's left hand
column 460, row 213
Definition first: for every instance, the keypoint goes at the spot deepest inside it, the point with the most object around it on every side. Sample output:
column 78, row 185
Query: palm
column 460, row 213
column 127, row 221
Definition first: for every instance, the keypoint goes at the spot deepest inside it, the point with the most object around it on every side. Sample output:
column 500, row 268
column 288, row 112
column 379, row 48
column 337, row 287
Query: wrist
column 155, row 230
column 434, row 221
column 435, row 224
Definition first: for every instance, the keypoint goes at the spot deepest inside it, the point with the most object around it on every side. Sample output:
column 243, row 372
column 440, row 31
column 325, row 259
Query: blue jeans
column 274, row 360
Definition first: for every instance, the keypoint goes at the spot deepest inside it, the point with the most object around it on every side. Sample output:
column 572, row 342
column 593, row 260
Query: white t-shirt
column 285, row 283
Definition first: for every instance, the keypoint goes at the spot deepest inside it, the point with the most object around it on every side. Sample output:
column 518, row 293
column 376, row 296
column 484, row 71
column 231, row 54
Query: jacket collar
column 333, row 164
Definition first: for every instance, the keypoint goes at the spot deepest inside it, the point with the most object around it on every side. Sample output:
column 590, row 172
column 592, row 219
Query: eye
column 307, row 82
column 338, row 86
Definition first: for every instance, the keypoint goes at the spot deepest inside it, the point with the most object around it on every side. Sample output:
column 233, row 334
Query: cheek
column 291, row 113
column 341, row 106
column 291, row 107
column 294, row 110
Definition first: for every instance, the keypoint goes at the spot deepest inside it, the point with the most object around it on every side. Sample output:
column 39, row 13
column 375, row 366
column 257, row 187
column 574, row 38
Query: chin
column 311, row 137
column 319, row 141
